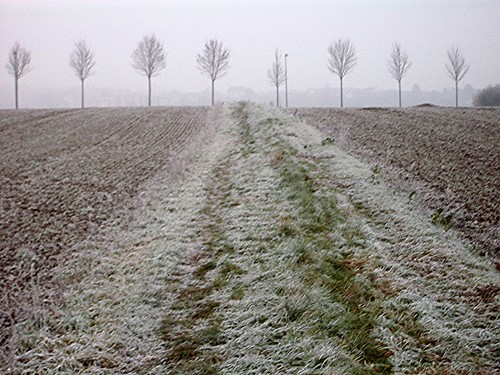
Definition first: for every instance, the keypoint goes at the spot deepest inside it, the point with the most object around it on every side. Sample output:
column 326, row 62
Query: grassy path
column 278, row 254
column 310, row 265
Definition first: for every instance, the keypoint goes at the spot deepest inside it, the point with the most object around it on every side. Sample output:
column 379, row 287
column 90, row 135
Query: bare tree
column 149, row 59
column 457, row 68
column 18, row 65
column 276, row 75
column 342, row 60
column 213, row 62
column 398, row 65
column 82, row 61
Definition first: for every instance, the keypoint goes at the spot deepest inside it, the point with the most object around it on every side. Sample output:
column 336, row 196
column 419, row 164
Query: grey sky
column 252, row 29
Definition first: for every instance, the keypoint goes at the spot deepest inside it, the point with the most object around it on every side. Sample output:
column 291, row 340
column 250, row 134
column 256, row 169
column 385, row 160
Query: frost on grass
column 338, row 275
column 433, row 317
column 310, row 265
column 271, row 313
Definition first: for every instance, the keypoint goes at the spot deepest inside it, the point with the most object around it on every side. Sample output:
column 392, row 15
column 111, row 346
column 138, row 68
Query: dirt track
column 261, row 249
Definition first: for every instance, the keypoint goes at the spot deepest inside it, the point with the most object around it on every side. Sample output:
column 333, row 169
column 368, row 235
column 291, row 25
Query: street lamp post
column 286, row 81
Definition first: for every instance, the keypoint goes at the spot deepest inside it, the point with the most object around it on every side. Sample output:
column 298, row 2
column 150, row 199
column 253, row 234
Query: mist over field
column 326, row 96
column 251, row 30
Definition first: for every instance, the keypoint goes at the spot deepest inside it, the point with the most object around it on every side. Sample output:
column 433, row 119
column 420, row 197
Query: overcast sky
column 252, row 29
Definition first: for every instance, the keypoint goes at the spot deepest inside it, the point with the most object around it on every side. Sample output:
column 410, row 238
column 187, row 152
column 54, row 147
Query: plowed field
column 63, row 173
column 447, row 158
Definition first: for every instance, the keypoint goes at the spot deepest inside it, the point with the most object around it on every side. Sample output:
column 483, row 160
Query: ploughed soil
column 63, row 173
column 447, row 158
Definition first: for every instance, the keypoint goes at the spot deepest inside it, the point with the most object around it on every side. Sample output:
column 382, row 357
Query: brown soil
column 447, row 158
column 63, row 174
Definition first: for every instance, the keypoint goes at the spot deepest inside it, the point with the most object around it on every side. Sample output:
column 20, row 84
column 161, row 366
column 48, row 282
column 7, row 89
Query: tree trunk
column 277, row 96
column 83, row 95
column 15, row 91
column 456, row 94
column 341, row 94
column 399, row 85
column 149, row 91
column 213, row 91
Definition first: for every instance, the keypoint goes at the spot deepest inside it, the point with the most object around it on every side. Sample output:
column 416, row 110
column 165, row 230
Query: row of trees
column 343, row 58
column 149, row 59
